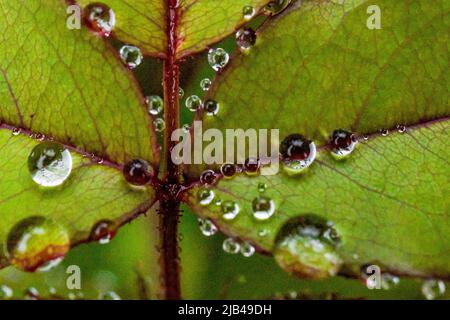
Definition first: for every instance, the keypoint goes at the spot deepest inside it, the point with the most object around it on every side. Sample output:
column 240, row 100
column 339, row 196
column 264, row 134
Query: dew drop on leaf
column 248, row 12
column 247, row 250
column 100, row 19
column 6, row 292
column 207, row 227
column 297, row 153
column 245, row 38
column 263, row 208
column 160, row 124
column 16, row 131
column 228, row 170
column 384, row 132
column 110, row 295
column 389, row 281
column 31, row 293
column 205, row 196
column 342, row 143
column 131, row 56
column 49, row 164
column 211, row 107
column 262, row 187
column 218, row 58
column 103, row 232
column 230, row 210
column 181, row 92
column 37, row 244
column 155, row 104
column 205, row 84
column 276, row 6
column 306, row 246
column 251, row 166
column 401, row 128
column 208, row 177
column 231, row 246
column 193, row 103
column 433, row 289
column 138, row 172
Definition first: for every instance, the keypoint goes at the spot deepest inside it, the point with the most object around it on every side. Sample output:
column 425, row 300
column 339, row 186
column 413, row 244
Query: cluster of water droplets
column 234, row 246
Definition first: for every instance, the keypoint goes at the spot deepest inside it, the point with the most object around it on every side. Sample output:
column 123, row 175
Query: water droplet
column 218, row 58
column 251, row 166
column 302, row 248
column 247, row 250
column 389, row 281
column 131, row 56
column 262, row 187
column 193, row 103
column 401, row 128
column 205, row 196
column 6, row 292
column 263, row 208
column 31, row 294
column 211, row 107
column 365, row 137
column 297, row 153
column 49, row 164
column 138, row 172
column 208, row 177
column 180, row 92
column 159, row 124
column 384, row 132
column 110, row 295
column 231, row 246
column 276, row 6
column 205, row 84
column 103, row 232
column 100, row 19
column 263, row 233
column 155, row 105
column 432, row 289
column 228, row 170
column 16, row 131
column 245, row 38
column 207, row 227
column 248, row 12
column 36, row 244
column 230, row 210
column 343, row 143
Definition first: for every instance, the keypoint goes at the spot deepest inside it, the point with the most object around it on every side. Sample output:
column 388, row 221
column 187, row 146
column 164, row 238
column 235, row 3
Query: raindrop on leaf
column 193, row 103
column 205, row 84
column 155, row 105
column 230, row 210
column 138, row 172
column 103, row 232
column 228, row 170
column 297, row 153
column 208, row 177
column 245, row 38
column 160, row 124
column 207, row 227
column 433, row 289
column 263, row 208
column 342, row 143
column 231, row 246
column 276, row 6
column 248, row 12
column 205, row 196
column 6, row 292
column 247, row 250
column 218, row 58
column 131, row 56
column 100, row 19
column 211, row 107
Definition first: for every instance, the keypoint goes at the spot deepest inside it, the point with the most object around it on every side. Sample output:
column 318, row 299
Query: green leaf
column 317, row 68
column 201, row 23
column 69, row 87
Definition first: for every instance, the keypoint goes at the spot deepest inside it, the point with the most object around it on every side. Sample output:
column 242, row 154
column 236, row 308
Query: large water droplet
column 305, row 246
column 230, row 210
column 6, row 292
column 155, row 105
column 193, row 103
column 218, row 58
column 103, row 232
column 245, row 38
column 247, row 250
column 205, row 84
column 205, row 196
column 263, row 207
column 49, row 164
column 36, row 243
column 343, row 143
column 432, row 289
column 276, row 6
column 207, row 227
column 231, row 246
column 99, row 18
column 131, row 56
column 211, row 107
column 251, row 166
column 297, row 153
column 248, row 12
column 138, row 172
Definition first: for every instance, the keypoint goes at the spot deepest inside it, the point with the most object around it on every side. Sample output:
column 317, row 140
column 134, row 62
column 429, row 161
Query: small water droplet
column 110, row 295
column 6, row 292
column 230, row 210
column 205, row 84
column 131, row 56
column 247, row 250
column 208, row 177
column 365, row 137
column 342, row 143
column 384, row 132
column 49, row 164
column 297, row 153
column 16, row 131
column 231, row 246
column 193, row 103
column 432, row 289
column 276, row 6
column 248, row 12
column 218, row 58
column 303, row 249
column 389, row 281
column 263, row 233
column 245, row 38
column 228, row 170
column 205, row 196
column 103, row 232
column 138, row 172
column 37, row 244
column 211, row 107
column 180, row 92
column 251, row 166
column 207, row 227
column 401, row 128
column 263, row 208
column 262, row 187
column 100, row 19
column 31, row 294
column 160, row 124
column 155, row 104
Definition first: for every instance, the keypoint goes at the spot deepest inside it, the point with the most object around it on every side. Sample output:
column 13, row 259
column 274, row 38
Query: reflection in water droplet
column 263, row 208
column 138, row 172
column 276, row 6
column 205, row 196
column 6, row 292
column 343, row 143
column 49, row 164
column 131, row 56
column 251, row 166
column 110, row 295
column 247, row 250
column 228, row 170
column 231, row 246
column 207, row 227
column 230, row 210
column 245, row 38
column 433, row 289
column 218, row 58
column 248, row 12
column 36, row 244
column 304, row 247
column 211, row 107
column 297, row 153
column 193, row 103
column 155, row 105
column 100, row 19
column 205, row 84
column 208, row 177
column 103, row 232
column 263, row 233
column 159, row 124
